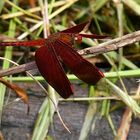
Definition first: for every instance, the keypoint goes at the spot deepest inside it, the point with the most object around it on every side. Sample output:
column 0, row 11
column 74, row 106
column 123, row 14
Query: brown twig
column 101, row 48
column 123, row 130
column 113, row 44
column 18, row 69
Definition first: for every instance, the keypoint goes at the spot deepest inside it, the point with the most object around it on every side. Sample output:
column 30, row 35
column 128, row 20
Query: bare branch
column 113, row 44
column 18, row 69
column 101, row 48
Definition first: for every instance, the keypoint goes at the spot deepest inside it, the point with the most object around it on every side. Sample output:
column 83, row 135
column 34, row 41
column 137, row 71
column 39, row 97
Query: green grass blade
column 125, row 98
column 1, row 5
column 126, row 73
column 8, row 54
column 90, row 116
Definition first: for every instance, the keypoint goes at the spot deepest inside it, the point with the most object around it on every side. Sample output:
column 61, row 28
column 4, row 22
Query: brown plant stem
column 113, row 44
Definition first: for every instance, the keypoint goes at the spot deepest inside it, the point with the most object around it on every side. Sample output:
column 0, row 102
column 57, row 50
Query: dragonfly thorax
column 66, row 38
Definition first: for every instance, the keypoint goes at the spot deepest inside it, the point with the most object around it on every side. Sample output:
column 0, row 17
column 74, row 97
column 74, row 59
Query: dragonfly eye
column 78, row 38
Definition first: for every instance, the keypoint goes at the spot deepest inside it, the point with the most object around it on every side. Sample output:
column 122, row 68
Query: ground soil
column 17, row 125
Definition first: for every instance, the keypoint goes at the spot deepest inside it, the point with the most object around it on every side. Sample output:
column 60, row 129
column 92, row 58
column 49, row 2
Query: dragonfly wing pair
column 50, row 56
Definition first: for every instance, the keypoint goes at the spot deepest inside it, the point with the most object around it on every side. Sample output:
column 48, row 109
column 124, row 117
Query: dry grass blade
column 18, row 69
column 1, row 136
column 19, row 91
column 138, row 90
column 32, row 10
column 20, row 9
column 133, row 5
column 123, row 130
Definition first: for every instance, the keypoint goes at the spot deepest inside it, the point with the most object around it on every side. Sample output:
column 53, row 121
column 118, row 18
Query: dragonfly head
column 78, row 38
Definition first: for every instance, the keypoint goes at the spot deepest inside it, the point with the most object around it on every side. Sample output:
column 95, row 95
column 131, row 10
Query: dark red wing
column 93, row 36
column 51, row 69
column 75, row 29
column 78, row 65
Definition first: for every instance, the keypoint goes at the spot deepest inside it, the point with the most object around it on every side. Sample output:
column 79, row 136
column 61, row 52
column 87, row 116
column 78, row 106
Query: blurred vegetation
column 26, row 20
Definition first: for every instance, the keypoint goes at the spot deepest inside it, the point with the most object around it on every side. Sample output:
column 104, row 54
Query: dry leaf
column 19, row 91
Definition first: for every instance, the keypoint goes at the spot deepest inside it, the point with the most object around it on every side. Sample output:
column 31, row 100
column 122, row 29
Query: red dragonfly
column 57, row 50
